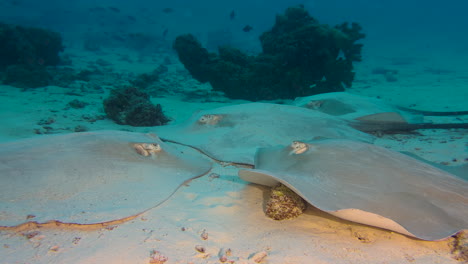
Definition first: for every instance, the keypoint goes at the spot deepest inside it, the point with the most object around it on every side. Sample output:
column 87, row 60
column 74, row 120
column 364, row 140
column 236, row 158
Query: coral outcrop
column 300, row 57
column 25, row 52
column 132, row 107
column 284, row 203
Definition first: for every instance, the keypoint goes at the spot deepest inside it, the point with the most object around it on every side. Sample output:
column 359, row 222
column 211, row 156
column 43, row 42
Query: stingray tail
column 402, row 128
column 432, row 113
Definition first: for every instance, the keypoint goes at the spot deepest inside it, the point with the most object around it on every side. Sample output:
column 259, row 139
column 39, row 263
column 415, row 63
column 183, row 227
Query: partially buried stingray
column 368, row 184
column 374, row 115
column 233, row 133
column 89, row 178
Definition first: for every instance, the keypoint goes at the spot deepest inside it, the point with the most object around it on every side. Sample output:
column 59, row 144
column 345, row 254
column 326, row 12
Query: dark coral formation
column 284, row 203
column 300, row 57
column 459, row 246
column 25, row 52
column 145, row 80
column 133, row 107
column 25, row 76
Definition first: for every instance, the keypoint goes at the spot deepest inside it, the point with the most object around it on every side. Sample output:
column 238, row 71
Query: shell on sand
column 90, row 177
column 368, row 184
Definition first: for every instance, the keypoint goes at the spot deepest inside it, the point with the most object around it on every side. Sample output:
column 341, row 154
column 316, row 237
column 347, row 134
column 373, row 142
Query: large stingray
column 368, row 184
column 89, row 178
column 233, row 133
column 374, row 115
column 354, row 107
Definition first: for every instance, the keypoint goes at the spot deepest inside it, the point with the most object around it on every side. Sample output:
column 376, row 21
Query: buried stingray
column 89, row 178
column 368, row 184
column 233, row 133
column 374, row 115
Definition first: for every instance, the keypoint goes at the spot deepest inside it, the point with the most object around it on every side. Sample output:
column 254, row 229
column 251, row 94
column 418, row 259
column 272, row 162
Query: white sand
column 227, row 209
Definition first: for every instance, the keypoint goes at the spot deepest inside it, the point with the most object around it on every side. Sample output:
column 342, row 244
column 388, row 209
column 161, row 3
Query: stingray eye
column 146, row 149
column 140, row 149
column 209, row 119
column 204, row 119
column 314, row 104
column 152, row 147
column 298, row 147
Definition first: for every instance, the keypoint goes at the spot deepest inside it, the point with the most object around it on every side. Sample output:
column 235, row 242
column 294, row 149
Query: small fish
column 165, row 32
column 247, row 28
column 232, row 15
column 115, row 9
column 168, row 10
column 131, row 18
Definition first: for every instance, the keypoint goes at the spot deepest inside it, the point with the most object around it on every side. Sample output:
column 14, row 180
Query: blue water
column 429, row 35
column 430, row 25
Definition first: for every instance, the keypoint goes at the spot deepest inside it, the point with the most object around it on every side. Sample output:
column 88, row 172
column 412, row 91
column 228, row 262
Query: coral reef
column 132, row 107
column 145, row 80
column 284, row 203
column 29, row 46
column 300, row 57
column 25, row 52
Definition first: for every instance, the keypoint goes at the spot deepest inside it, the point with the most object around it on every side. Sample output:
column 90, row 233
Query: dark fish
column 247, row 28
column 232, row 15
column 168, row 10
column 115, row 9
column 165, row 32
column 132, row 18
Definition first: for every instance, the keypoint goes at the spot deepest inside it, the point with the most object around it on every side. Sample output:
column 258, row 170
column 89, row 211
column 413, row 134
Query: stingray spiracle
column 314, row 104
column 147, row 149
column 209, row 119
column 298, row 147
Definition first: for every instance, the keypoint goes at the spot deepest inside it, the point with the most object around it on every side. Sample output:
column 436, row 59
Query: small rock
column 80, row 128
column 77, row 104
column 204, row 235
column 200, row 248
column 157, row 258
column 259, row 257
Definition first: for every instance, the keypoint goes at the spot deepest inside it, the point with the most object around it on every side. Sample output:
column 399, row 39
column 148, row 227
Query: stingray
column 233, row 133
column 367, row 184
column 355, row 107
column 91, row 177
column 374, row 115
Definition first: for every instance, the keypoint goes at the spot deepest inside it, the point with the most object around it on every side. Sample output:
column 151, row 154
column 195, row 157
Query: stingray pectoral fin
column 416, row 214
column 371, row 219
column 258, row 177
column 392, row 117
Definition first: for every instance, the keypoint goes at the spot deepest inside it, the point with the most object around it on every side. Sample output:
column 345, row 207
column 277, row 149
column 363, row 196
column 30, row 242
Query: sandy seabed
column 219, row 217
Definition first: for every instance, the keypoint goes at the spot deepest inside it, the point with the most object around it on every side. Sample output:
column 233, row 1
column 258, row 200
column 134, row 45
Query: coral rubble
column 133, row 107
column 300, row 57
column 459, row 246
column 284, row 203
